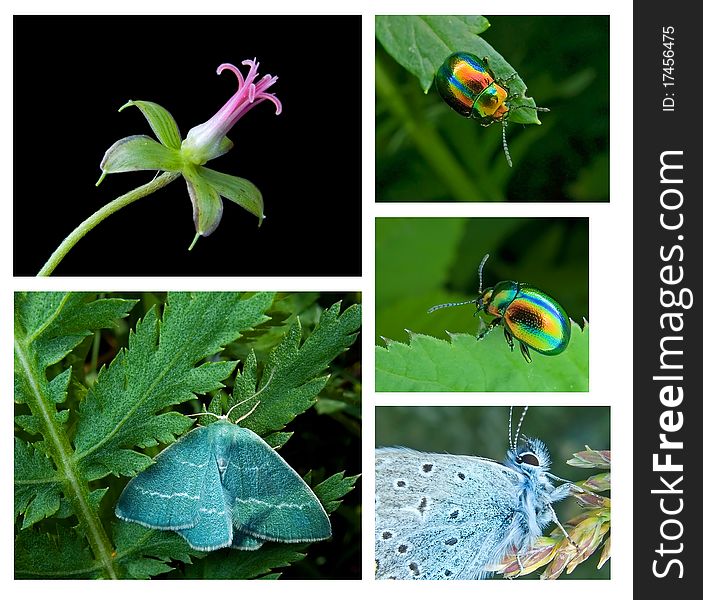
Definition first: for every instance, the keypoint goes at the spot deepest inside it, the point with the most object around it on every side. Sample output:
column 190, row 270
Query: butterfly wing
column 440, row 516
column 168, row 494
column 269, row 499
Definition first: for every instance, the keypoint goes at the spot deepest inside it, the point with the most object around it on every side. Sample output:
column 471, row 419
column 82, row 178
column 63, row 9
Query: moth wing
column 440, row 516
column 213, row 527
column 269, row 499
column 167, row 495
column 244, row 541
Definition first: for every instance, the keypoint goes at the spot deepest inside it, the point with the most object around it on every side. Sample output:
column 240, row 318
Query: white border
column 610, row 287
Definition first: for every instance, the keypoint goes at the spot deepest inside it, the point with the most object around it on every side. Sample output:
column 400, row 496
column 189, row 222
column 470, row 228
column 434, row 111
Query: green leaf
column 333, row 489
column 467, row 364
column 143, row 553
column 157, row 371
column 60, row 555
column 207, row 204
column 238, row 190
column 162, row 123
column 48, row 326
column 37, row 484
column 239, row 564
column 51, row 324
column 291, row 379
column 416, row 42
column 422, row 43
column 139, row 153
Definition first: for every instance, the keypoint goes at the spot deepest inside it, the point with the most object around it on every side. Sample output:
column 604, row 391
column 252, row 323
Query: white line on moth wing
column 147, row 492
column 212, row 511
column 190, row 464
column 268, row 504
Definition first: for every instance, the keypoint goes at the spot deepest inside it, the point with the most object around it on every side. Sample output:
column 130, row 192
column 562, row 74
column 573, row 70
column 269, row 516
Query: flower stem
column 97, row 217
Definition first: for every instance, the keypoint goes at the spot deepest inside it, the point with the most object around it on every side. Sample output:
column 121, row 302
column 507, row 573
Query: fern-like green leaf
column 61, row 554
column 157, row 371
column 145, row 553
column 291, row 379
column 333, row 489
column 37, row 484
column 469, row 365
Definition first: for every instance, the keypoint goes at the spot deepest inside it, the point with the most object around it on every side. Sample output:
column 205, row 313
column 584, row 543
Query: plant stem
column 97, row 217
column 75, row 487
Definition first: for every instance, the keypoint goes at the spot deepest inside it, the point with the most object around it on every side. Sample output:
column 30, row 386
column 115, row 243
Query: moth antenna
column 505, row 145
column 519, row 426
column 246, row 415
column 480, row 273
column 206, row 412
column 250, row 398
column 448, row 304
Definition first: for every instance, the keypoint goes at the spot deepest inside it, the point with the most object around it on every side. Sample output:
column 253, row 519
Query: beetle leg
column 525, row 352
column 507, row 79
column 484, row 331
column 496, row 79
column 509, row 338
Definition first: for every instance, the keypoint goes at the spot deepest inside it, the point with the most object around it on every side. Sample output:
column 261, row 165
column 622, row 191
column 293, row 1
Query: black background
column 72, row 73
column 655, row 132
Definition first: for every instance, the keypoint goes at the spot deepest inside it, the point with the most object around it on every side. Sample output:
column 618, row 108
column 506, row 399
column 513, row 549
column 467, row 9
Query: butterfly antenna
column 519, row 426
column 510, row 429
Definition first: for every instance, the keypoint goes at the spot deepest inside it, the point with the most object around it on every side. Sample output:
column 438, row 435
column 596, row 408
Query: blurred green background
column 564, row 60
column 483, row 431
column 421, row 262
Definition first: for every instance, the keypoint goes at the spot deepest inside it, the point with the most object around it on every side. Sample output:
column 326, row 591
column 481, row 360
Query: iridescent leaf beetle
column 468, row 85
column 532, row 317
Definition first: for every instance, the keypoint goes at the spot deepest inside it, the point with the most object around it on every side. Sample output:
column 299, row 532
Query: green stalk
column 97, row 217
column 75, row 486
column 430, row 145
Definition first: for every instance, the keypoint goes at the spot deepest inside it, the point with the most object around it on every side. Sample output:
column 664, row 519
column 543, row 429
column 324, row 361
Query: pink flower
column 208, row 140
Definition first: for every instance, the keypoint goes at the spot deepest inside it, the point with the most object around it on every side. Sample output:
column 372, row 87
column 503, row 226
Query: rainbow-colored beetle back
column 465, row 83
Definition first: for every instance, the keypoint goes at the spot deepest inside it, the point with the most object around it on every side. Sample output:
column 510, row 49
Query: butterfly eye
column 528, row 458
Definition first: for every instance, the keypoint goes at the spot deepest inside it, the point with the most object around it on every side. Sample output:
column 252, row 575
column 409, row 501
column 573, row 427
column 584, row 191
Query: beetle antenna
column 484, row 259
column 505, row 145
column 535, row 108
column 480, row 290
column 448, row 304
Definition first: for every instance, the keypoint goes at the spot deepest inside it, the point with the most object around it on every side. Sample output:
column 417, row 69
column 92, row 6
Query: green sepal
column 207, row 204
column 139, row 153
column 240, row 191
column 199, row 156
column 162, row 123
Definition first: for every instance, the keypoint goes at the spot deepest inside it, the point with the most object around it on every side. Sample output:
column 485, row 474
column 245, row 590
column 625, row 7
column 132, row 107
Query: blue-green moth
column 222, row 485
